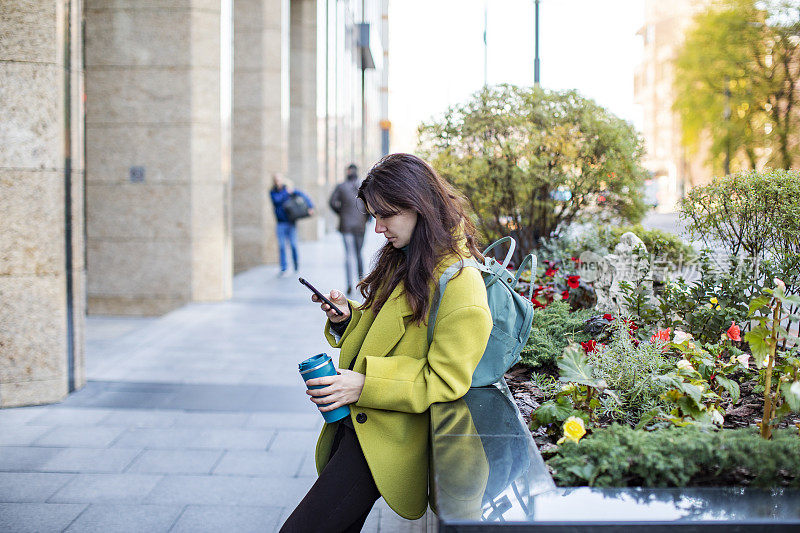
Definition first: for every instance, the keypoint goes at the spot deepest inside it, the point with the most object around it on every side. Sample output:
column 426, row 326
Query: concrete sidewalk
column 194, row 421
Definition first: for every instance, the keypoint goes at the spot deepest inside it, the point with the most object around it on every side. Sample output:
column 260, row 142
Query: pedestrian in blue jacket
column 282, row 190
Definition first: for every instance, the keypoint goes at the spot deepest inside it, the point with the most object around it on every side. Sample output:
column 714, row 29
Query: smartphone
column 321, row 296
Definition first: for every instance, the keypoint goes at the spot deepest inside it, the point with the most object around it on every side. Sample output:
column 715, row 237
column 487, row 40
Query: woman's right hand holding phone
column 340, row 301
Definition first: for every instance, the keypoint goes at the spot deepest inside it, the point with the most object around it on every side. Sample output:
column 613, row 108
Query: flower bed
column 689, row 383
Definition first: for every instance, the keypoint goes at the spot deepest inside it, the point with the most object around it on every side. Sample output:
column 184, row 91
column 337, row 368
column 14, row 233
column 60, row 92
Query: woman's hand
column 341, row 389
column 340, row 301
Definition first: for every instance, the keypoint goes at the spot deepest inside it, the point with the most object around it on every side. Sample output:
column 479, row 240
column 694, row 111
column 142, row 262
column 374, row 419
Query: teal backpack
column 512, row 313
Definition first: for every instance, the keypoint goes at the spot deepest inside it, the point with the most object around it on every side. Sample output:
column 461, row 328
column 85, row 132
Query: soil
column 746, row 412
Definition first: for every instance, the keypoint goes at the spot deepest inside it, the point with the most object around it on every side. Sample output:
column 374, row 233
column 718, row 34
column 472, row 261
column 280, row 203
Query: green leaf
column 757, row 339
column 585, row 472
column 792, row 397
column 552, row 412
column 574, row 367
column 793, row 299
column 690, row 406
column 757, row 303
column 695, row 392
column 730, row 386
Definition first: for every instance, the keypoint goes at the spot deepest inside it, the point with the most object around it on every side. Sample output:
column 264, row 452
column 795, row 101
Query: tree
column 532, row 161
column 737, row 80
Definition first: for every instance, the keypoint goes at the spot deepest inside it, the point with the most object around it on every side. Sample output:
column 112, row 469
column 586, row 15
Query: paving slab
column 31, row 487
column 181, row 461
column 258, row 463
column 101, row 518
column 228, row 490
column 22, row 435
column 84, row 460
column 25, row 458
column 38, row 517
column 89, row 437
column 107, row 488
column 215, row 518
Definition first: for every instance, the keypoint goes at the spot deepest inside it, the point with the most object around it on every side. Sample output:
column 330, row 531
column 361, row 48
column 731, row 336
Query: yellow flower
column 573, row 429
column 714, row 303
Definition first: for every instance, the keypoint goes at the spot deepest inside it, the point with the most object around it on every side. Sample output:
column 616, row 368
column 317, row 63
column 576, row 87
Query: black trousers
column 342, row 496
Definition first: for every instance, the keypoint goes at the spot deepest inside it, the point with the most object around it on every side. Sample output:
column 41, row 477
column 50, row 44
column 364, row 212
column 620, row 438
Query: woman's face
column 397, row 228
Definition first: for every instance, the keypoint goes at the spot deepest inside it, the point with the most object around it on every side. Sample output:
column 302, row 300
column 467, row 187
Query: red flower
column 734, row 333
column 551, row 271
column 573, row 281
column 631, row 325
column 565, row 295
column 661, row 336
column 589, row 346
column 608, row 317
column 537, row 303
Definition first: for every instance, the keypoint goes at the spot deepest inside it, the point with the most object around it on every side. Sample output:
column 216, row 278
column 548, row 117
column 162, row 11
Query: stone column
column 304, row 168
column 41, row 201
column 259, row 125
column 158, row 154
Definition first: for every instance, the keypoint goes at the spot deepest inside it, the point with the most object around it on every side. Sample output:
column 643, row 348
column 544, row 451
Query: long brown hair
column 404, row 181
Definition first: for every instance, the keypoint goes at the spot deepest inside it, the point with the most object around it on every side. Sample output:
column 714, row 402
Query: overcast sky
column 436, row 53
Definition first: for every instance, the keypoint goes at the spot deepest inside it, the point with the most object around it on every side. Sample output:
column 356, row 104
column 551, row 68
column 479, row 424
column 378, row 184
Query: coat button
column 361, row 418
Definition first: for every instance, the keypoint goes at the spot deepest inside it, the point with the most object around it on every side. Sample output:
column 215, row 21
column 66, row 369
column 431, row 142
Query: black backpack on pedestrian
column 295, row 207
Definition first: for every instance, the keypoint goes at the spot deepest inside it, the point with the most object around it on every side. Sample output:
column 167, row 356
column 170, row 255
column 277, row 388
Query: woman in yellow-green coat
column 389, row 375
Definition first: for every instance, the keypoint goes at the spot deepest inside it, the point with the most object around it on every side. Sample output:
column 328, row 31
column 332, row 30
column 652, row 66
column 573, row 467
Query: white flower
column 683, row 364
column 744, row 359
column 795, row 388
column 681, row 337
column 716, row 417
column 779, row 283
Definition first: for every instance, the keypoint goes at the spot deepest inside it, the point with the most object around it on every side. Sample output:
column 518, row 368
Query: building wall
column 260, row 120
column 158, row 189
column 663, row 31
column 187, row 115
column 41, row 200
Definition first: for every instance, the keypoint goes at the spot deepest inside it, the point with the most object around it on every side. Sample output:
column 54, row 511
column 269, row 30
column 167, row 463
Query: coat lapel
column 389, row 326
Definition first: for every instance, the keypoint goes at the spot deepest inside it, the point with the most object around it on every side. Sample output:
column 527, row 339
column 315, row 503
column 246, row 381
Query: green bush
column 533, row 161
column 660, row 244
column 552, row 329
column 751, row 213
column 619, row 456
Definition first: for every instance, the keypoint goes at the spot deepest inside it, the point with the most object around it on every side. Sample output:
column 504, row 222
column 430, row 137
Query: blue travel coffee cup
column 316, row 367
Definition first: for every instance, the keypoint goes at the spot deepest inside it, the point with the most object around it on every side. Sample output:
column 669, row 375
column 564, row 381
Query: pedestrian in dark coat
column 352, row 222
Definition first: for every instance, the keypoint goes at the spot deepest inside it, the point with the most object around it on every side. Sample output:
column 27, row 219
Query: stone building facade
column 182, row 111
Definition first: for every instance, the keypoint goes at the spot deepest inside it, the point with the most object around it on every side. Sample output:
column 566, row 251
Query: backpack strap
column 530, row 258
column 439, row 291
column 490, row 260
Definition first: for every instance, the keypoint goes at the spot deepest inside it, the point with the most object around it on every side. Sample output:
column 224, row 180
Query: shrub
column 660, row 244
column 619, row 456
column 752, row 213
column 552, row 329
column 602, row 240
column 532, row 161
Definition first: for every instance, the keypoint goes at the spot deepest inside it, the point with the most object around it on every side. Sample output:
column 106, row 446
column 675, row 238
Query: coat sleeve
column 411, row 385
column 306, row 198
column 335, row 201
column 355, row 315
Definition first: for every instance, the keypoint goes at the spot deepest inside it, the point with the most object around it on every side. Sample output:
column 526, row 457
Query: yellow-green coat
column 404, row 377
